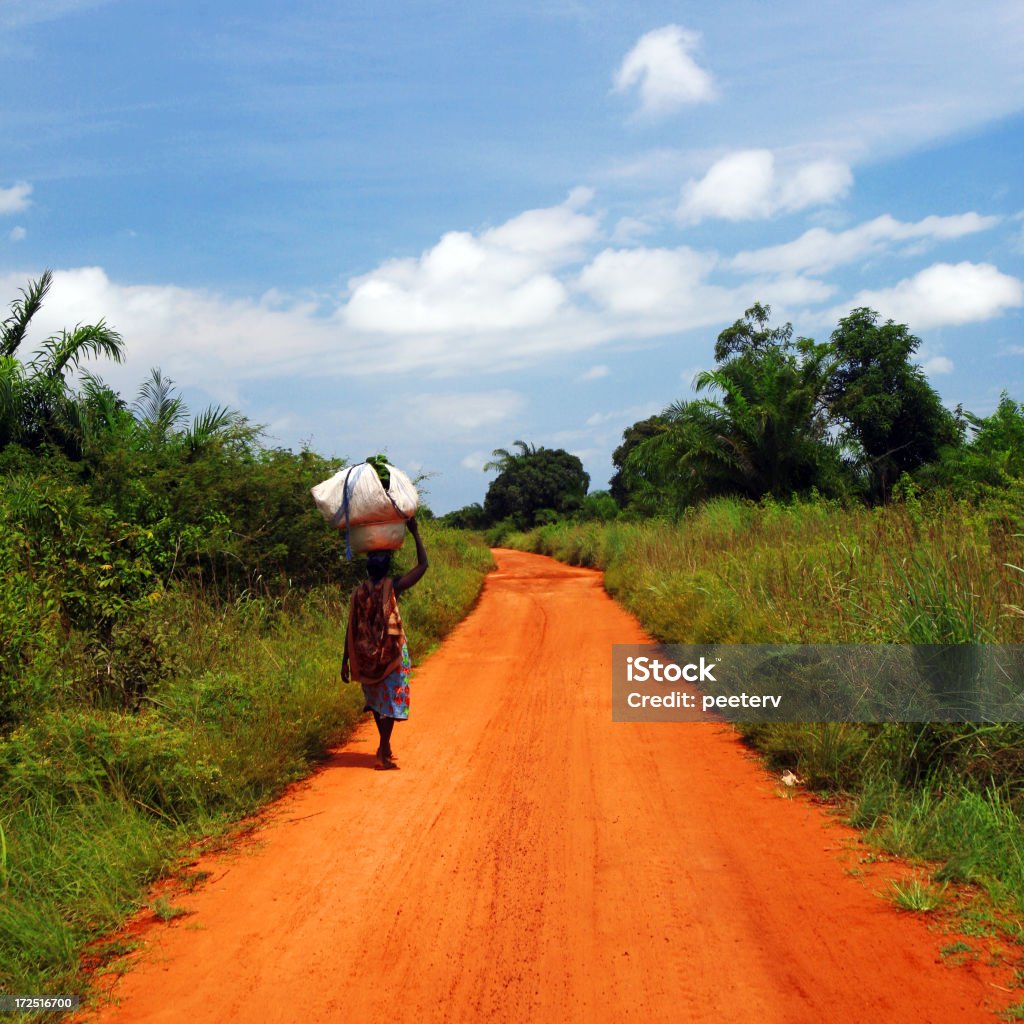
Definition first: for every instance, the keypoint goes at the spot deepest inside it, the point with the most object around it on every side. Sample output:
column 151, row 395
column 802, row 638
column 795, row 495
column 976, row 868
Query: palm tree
column 162, row 417
column 159, row 412
column 766, row 432
column 503, row 458
column 36, row 405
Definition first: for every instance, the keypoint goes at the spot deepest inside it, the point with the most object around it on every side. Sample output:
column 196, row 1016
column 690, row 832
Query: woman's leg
column 385, row 725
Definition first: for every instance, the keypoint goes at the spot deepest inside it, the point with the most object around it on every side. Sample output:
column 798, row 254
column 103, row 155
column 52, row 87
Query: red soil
column 535, row 862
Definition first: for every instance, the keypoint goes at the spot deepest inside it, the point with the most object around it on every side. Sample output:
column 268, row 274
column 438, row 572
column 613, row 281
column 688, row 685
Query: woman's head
column 378, row 564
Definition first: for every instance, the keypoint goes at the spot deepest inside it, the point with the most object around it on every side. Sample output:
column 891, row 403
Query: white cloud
column 944, row 294
column 16, row 198
column 645, row 281
column 618, row 419
column 499, row 280
column 475, row 461
column 791, row 290
column 820, row 250
column 17, row 234
column 936, row 365
column 455, row 413
column 200, row 338
column 506, row 297
column 747, row 185
column 662, row 67
column 629, row 230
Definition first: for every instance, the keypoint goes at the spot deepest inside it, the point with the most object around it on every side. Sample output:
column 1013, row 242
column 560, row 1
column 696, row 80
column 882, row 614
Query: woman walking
column 375, row 647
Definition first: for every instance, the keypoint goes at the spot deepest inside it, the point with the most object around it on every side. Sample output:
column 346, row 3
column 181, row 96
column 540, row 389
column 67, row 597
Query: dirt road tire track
column 535, row 862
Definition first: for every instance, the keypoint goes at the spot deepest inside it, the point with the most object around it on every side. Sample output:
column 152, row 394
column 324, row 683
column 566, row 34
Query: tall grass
column 97, row 801
column 811, row 572
column 816, row 572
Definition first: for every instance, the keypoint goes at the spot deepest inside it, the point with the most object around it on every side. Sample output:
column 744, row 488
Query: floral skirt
column 390, row 697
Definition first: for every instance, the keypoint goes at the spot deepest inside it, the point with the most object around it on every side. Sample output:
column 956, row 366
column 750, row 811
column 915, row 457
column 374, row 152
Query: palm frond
column 209, row 425
column 63, row 351
column 12, row 330
column 161, row 412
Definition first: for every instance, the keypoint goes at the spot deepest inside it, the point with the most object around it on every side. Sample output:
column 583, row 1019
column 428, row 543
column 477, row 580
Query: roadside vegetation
column 821, row 493
column 171, row 625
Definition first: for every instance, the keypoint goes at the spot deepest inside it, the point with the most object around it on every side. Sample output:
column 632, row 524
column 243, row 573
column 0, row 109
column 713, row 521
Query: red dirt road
column 535, row 862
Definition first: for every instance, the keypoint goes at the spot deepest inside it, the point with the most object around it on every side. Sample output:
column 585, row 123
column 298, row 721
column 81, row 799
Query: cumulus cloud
column 499, row 280
column 16, row 198
column 661, row 67
column 820, row 250
column 748, row 185
column 198, row 337
column 545, row 282
column 644, row 281
column 945, row 294
column 17, row 234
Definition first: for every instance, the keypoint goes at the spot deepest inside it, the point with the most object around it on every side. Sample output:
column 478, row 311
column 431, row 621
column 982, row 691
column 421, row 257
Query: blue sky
column 433, row 229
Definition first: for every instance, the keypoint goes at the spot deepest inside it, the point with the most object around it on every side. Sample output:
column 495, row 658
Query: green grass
column 97, row 801
column 915, row 896
column 958, row 952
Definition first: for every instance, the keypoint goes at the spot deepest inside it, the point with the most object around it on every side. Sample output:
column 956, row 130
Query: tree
column 163, row 418
column 599, row 506
column 991, row 455
column 36, row 405
column 622, row 485
column 884, row 402
column 469, row 517
column 751, row 335
column 765, row 431
column 503, row 458
column 536, row 480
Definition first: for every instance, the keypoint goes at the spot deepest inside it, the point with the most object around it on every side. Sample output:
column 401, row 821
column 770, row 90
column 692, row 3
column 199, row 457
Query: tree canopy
column 781, row 416
column 533, row 481
column 883, row 402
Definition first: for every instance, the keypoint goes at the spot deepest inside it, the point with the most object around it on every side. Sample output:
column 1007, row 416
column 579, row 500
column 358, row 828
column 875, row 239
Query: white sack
column 368, row 502
column 376, row 537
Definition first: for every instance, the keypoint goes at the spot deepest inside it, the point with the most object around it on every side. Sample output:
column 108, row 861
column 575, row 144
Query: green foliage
column 533, row 481
column 766, row 433
column 915, row 896
column 599, row 506
column 751, row 335
column 469, row 517
column 884, row 402
column 991, row 458
column 784, row 417
column 171, row 622
column 380, row 465
column 627, row 487
column 37, row 408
